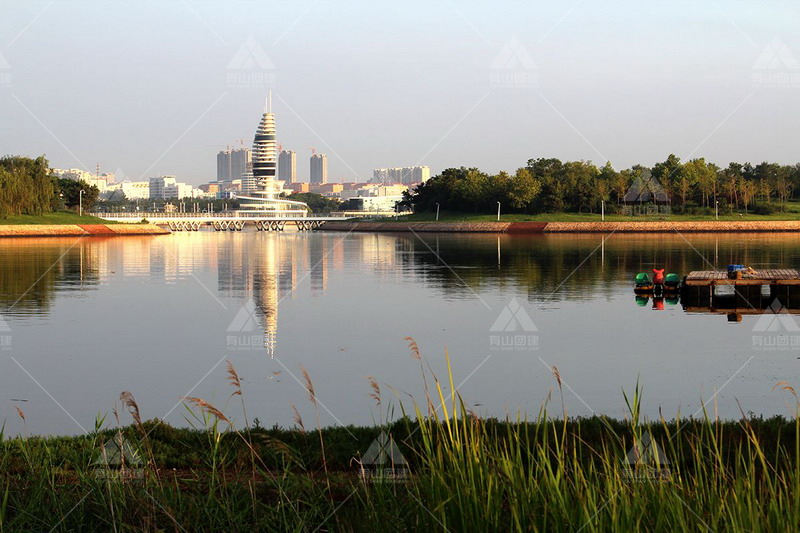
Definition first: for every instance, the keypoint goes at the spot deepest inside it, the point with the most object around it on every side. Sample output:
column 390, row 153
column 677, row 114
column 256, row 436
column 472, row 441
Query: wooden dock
column 766, row 276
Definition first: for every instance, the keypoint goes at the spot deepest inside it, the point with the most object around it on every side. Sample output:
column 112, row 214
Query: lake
column 88, row 318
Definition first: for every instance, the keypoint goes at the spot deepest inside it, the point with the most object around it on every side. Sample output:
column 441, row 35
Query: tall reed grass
column 547, row 473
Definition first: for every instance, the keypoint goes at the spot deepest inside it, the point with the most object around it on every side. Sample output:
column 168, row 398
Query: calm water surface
column 89, row 318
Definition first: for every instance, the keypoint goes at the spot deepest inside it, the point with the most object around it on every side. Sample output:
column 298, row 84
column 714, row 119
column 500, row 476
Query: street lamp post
column 716, row 210
column 80, row 202
column 437, row 212
column 498, row 211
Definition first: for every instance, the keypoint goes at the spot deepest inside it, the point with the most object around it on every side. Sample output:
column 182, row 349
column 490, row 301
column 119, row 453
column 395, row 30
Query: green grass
column 551, row 473
column 792, row 212
column 59, row 217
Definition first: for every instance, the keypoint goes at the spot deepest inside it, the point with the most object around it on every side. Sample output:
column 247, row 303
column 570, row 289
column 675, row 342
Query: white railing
column 140, row 215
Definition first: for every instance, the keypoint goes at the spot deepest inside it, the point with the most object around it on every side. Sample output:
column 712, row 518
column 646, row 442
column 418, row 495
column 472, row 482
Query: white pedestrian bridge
column 233, row 221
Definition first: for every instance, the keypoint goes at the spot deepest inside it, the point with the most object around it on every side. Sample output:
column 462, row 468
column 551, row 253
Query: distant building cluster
column 101, row 181
column 157, row 188
column 403, row 175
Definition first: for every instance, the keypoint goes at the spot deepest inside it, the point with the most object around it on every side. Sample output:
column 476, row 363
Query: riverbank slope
column 79, row 230
column 661, row 226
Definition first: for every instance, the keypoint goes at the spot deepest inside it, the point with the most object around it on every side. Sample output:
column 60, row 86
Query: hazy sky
column 160, row 86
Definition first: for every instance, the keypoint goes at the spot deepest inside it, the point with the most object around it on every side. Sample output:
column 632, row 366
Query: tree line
column 550, row 185
column 27, row 187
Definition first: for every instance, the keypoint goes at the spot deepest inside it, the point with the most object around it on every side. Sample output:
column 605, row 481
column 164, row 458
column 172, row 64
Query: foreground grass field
column 552, row 473
column 59, row 217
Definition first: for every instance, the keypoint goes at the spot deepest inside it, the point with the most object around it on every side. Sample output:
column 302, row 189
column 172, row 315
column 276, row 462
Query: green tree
column 316, row 202
column 72, row 191
column 25, row 186
column 522, row 190
column 668, row 174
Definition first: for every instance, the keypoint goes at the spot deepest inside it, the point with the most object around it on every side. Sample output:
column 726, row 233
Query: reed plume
column 127, row 399
column 208, row 409
column 233, row 379
column 416, row 354
column 376, row 390
column 312, row 395
column 298, row 419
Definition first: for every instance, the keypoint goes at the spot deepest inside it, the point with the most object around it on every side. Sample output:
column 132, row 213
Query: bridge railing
column 154, row 215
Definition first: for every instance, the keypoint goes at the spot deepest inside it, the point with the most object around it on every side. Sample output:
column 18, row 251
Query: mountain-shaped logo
column 3, row 63
column 384, row 452
column 246, row 319
column 119, row 175
column 3, row 325
column 512, row 56
column 250, row 56
column 118, row 452
column 776, row 55
column 776, row 318
column 646, row 452
column 512, row 318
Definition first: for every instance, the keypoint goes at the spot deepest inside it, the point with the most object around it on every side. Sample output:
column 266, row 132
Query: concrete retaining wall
column 74, row 230
column 569, row 227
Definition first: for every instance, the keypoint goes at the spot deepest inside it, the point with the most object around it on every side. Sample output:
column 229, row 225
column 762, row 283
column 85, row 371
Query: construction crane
column 313, row 150
column 241, row 142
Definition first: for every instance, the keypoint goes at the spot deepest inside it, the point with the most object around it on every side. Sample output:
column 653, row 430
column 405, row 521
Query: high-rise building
column 224, row 165
column 319, row 168
column 160, row 187
column 287, row 166
column 240, row 162
column 232, row 164
column 265, row 198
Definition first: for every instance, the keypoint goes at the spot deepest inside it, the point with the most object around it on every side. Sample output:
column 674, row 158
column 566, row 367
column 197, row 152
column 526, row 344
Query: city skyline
column 666, row 88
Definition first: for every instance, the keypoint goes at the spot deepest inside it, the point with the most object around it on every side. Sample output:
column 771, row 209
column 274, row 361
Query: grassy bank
column 59, row 217
column 792, row 212
column 551, row 473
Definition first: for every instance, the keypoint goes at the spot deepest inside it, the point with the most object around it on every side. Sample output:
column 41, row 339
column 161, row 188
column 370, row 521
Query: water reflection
column 150, row 314
column 578, row 266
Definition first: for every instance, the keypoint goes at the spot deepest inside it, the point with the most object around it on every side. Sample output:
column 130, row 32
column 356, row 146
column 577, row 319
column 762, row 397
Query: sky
column 159, row 87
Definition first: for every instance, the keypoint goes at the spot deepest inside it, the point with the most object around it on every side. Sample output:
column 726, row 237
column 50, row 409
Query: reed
column 468, row 474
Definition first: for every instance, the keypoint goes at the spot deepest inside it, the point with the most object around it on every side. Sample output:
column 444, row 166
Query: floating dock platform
column 755, row 290
column 768, row 276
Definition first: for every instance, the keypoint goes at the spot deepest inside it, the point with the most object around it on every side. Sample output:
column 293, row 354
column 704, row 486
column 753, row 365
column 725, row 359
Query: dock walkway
column 765, row 276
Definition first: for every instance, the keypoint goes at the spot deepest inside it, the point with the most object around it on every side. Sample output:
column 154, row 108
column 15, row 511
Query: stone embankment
column 75, row 230
column 570, row 227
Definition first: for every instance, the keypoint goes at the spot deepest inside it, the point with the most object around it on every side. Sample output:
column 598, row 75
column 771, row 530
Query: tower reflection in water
column 268, row 269
column 264, row 267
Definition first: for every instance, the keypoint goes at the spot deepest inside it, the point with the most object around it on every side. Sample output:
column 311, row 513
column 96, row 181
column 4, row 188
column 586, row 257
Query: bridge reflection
column 270, row 267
